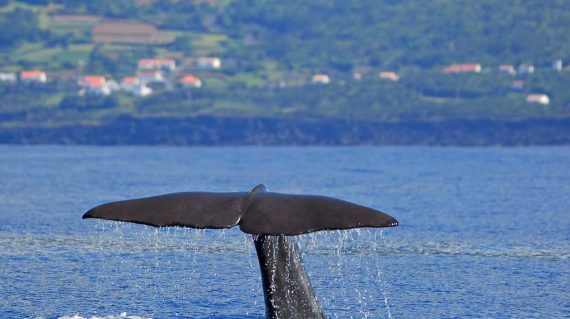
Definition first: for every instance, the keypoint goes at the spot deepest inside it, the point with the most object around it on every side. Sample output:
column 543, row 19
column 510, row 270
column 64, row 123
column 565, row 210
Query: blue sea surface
column 484, row 232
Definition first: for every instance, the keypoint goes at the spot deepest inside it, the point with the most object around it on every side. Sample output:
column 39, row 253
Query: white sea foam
column 122, row 315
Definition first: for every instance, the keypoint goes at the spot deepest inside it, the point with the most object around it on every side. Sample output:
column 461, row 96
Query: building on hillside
column 164, row 64
column 208, row 63
column 392, row 76
column 134, row 86
column 142, row 90
column 526, row 69
column 150, row 76
column 113, row 85
column 359, row 72
column 517, row 85
column 507, row 69
column 94, row 84
column 128, row 32
column 8, row 77
column 320, row 79
column 463, row 68
column 33, row 76
column 557, row 65
column 190, row 81
column 538, row 98
column 128, row 83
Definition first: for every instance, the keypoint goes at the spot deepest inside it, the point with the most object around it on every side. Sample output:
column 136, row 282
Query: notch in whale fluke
column 258, row 212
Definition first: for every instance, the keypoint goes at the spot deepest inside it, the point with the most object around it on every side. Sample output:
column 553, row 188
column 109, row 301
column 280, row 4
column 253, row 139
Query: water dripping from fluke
column 272, row 219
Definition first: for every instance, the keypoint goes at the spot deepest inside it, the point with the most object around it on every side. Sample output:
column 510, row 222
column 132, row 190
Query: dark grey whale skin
column 271, row 217
column 258, row 212
column 286, row 287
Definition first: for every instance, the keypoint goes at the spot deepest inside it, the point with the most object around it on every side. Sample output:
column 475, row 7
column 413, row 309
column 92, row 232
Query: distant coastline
column 210, row 130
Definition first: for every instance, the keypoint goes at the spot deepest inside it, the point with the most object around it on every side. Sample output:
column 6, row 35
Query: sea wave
column 18, row 245
column 122, row 315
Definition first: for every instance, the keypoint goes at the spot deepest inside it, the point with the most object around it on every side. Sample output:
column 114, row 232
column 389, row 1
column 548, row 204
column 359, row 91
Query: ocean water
column 484, row 232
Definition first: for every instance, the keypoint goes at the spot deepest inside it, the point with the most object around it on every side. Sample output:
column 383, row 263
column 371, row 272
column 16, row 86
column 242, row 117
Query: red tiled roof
column 130, row 80
column 321, row 77
column 455, row 68
column 536, row 97
column 31, row 74
column 94, row 80
column 389, row 75
column 189, row 79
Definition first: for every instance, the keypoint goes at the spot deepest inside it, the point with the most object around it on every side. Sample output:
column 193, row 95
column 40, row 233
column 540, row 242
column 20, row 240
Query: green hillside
column 395, row 34
column 270, row 50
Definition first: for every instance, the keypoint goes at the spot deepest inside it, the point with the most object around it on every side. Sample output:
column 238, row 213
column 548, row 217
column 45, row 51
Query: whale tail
column 257, row 212
column 267, row 215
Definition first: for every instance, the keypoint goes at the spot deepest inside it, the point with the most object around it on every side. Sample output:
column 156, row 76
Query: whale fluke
column 284, row 214
column 189, row 209
column 258, row 212
column 270, row 217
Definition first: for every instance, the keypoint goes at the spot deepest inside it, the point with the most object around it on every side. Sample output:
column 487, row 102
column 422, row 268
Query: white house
column 128, row 83
column 134, row 86
column 142, row 90
column 538, row 98
column 392, row 76
column 557, row 65
column 150, row 76
column 94, row 84
column 526, row 69
column 320, row 79
column 8, row 77
column 113, row 85
column 507, row 69
column 33, row 76
column 191, row 81
column 208, row 63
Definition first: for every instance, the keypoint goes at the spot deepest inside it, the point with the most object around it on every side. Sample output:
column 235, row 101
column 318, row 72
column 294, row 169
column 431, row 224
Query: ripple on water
column 124, row 240
column 122, row 315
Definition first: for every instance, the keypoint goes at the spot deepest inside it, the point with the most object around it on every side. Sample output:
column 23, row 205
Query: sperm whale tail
column 257, row 212
column 271, row 218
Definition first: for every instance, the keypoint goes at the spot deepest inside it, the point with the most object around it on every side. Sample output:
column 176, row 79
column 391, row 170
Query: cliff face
column 278, row 131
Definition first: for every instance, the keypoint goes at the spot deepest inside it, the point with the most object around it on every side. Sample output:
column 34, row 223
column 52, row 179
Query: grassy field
column 205, row 44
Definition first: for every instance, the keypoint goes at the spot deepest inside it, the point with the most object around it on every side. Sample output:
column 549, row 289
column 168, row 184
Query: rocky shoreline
column 208, row 130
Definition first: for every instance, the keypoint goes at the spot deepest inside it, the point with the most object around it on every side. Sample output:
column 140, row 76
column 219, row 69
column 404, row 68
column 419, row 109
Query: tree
column 17, row 26
column 115, row 8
